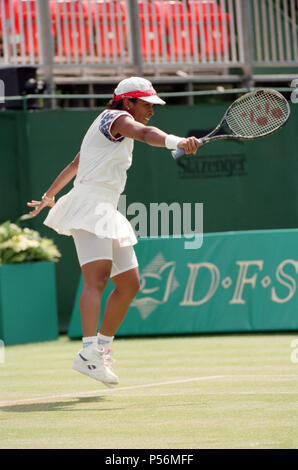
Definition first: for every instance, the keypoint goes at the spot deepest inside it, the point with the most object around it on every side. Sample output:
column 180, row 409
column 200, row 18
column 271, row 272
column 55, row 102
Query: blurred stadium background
column 60, row 61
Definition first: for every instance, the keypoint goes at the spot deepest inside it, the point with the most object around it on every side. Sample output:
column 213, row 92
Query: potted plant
column 28, row 304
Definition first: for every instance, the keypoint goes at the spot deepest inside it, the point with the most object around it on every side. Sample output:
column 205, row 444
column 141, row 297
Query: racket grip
column 177, row 153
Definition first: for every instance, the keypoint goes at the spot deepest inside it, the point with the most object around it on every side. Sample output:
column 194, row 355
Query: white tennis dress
column 91, row 204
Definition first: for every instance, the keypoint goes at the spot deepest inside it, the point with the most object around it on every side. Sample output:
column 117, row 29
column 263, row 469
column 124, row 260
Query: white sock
column 89, row 340
column 104, row 341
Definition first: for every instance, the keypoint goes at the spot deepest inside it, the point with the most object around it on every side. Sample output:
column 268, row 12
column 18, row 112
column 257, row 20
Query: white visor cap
column 137, row 87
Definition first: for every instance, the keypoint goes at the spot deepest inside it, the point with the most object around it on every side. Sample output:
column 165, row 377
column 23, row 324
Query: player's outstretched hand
column 38, row 206
column 190, row 145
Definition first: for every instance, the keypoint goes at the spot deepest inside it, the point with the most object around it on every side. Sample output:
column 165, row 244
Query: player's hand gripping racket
column 254, row 115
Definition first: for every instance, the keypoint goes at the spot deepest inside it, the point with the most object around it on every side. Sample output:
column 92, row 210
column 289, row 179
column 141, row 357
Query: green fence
column 243, row 186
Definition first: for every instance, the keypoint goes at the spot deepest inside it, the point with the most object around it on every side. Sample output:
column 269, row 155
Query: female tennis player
column 103, row 237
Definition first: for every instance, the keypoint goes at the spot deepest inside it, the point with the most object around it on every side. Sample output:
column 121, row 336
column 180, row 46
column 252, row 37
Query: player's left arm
column 128, row 127
column 66, row 175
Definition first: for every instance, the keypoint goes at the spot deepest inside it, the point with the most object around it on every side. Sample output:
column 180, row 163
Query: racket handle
column 177, row 153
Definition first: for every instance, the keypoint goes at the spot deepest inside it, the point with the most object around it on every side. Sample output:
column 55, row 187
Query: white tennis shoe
column 97, row 364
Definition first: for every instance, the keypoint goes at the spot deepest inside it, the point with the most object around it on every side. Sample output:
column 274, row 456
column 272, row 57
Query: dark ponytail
column 118, row 104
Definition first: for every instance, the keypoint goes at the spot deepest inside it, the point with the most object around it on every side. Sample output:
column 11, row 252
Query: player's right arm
column 128, row 127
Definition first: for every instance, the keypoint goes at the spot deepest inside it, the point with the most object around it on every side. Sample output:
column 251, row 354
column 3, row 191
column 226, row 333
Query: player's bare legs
column 96, row 361
column 127, row 285
column 95, row 277
column 90, row 360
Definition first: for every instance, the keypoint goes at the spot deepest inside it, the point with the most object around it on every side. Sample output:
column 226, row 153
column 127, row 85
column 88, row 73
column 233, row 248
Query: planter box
column 28, row 304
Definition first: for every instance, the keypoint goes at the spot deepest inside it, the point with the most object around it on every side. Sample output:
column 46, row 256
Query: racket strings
column 257, row 114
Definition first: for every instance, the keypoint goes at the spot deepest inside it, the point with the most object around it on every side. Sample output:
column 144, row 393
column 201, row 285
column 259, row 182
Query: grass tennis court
column 225, row 391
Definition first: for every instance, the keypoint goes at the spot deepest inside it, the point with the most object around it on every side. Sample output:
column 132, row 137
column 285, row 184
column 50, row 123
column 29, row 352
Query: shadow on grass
column 53, row 405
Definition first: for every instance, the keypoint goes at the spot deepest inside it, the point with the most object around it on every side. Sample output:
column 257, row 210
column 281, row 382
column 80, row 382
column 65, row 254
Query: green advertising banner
column 236, row 282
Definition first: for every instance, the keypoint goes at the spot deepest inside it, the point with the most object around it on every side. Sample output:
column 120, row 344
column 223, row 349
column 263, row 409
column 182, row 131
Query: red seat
column 27, row 26
column 109, row 26
column 152, row 29
column 6, row 12
column 177, row 23
column 210, row 15
column 183, row 28
column 4, row 17
column 70, row 26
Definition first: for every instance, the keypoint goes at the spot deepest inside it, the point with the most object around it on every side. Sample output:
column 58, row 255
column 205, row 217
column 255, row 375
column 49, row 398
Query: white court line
column 109, row 390
column 135, row 387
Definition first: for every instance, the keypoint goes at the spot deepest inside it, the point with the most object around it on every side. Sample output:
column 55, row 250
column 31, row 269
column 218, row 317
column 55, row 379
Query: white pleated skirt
column 91, row 207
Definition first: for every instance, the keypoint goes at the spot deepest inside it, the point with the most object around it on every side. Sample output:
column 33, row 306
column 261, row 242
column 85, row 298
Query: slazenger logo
column 158, row 282
column 212, row 166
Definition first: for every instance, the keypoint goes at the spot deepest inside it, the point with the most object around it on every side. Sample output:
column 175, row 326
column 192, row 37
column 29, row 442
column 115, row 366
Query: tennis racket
column 254, row 115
